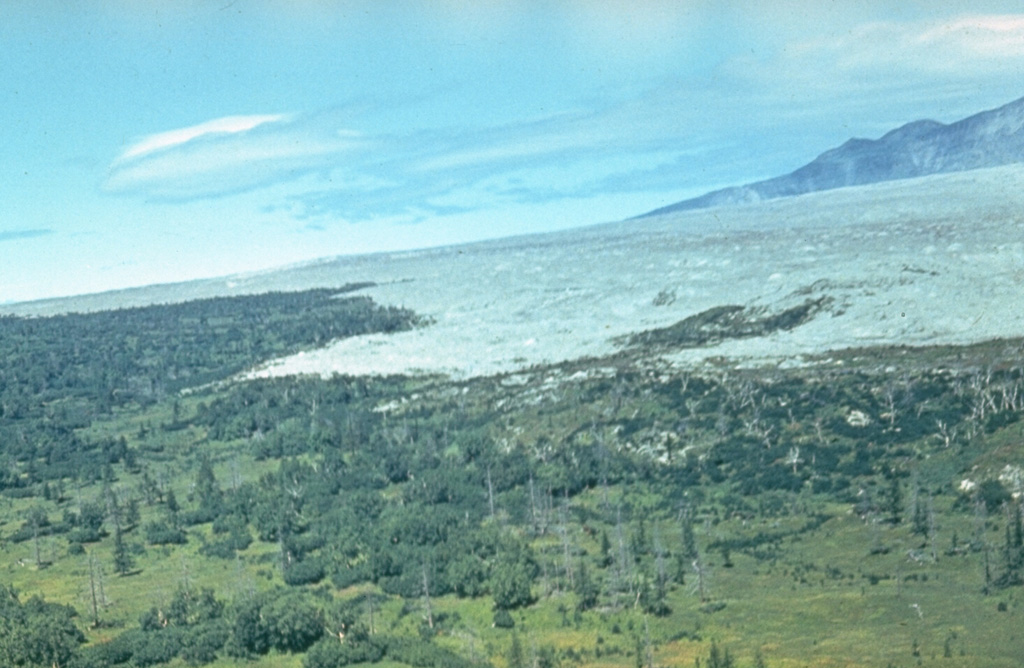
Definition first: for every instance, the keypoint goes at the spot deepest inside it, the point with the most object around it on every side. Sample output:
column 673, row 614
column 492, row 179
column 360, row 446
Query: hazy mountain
column 988, row 139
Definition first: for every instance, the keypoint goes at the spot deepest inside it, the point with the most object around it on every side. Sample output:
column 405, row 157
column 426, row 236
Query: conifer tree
column 586, row 589
column 123, row 561
column 689, row 540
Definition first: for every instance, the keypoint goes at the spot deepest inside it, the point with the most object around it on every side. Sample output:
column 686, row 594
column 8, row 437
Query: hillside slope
column 988, row 139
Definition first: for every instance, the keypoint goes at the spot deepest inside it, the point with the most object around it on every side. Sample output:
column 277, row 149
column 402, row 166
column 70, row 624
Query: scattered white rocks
column 856, row 418
column 1012, row 478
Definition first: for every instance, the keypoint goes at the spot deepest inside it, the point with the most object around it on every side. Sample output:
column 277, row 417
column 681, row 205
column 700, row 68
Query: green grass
column 822, row 599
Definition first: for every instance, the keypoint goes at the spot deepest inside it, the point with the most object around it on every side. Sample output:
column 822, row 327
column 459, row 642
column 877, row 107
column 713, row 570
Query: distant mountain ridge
column 988, row 139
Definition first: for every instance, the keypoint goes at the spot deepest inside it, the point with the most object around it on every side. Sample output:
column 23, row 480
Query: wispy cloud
column 217, row 126
column 14, row 235
column 980, row 36
column 441, row 173
column 229, row 155
column 360, row 177
column 883, row 55
column 963, row 47
column 751, row 117
column 510, row 149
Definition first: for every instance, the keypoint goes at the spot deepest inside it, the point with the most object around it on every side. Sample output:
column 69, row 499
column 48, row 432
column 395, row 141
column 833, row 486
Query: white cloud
column 863, row 80
column 890, row 52
column 510, row 149
column 229, row 155
column 963, row 46
column 225, row 125
column 983, row 36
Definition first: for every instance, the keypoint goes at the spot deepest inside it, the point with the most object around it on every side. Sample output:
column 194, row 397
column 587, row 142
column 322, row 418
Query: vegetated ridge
column 720, row 323
column 920, row 148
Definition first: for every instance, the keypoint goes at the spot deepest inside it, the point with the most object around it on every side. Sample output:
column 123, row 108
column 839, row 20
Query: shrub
column 421, row 654
column 346, row 577
column 222, row 549
column 155, row 647
column 332, row 653
column 503, row 619
column 305, row 572
column 161, row 533
column 993, row 494
column 293, row 622
column 201, row 643
column 112, row 653
column 84, row 535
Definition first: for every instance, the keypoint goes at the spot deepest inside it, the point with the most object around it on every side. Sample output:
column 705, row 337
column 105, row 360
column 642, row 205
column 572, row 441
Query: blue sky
column 159, row 141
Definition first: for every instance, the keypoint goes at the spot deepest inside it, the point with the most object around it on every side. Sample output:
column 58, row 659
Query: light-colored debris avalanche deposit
column 932, row 260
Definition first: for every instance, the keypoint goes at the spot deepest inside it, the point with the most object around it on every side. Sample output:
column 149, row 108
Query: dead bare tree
column 759, row 430
column 91, row 565
column 933, row 529
column 793, row 458
column 566, row 548
column 890, row 403
column 427, row 609
column 702, row 582
column 621, row 581
column 490, row 491
column 946, row 434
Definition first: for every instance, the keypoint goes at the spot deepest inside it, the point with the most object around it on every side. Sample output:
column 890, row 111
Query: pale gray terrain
column 933, row 260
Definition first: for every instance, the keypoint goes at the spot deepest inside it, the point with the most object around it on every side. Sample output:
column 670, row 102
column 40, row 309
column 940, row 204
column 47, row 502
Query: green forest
column 860, row 509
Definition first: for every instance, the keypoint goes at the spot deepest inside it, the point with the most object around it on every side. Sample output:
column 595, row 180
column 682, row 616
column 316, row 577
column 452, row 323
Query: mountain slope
column 989, row 139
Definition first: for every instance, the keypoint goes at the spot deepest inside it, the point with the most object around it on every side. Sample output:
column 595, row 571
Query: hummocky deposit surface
column 938, row 259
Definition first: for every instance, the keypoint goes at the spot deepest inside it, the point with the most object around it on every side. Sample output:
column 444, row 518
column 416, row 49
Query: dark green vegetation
column 58, row 373
column 728, row 322
column 598, row 513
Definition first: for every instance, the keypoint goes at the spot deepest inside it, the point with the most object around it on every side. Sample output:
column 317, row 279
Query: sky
column 156, row 141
